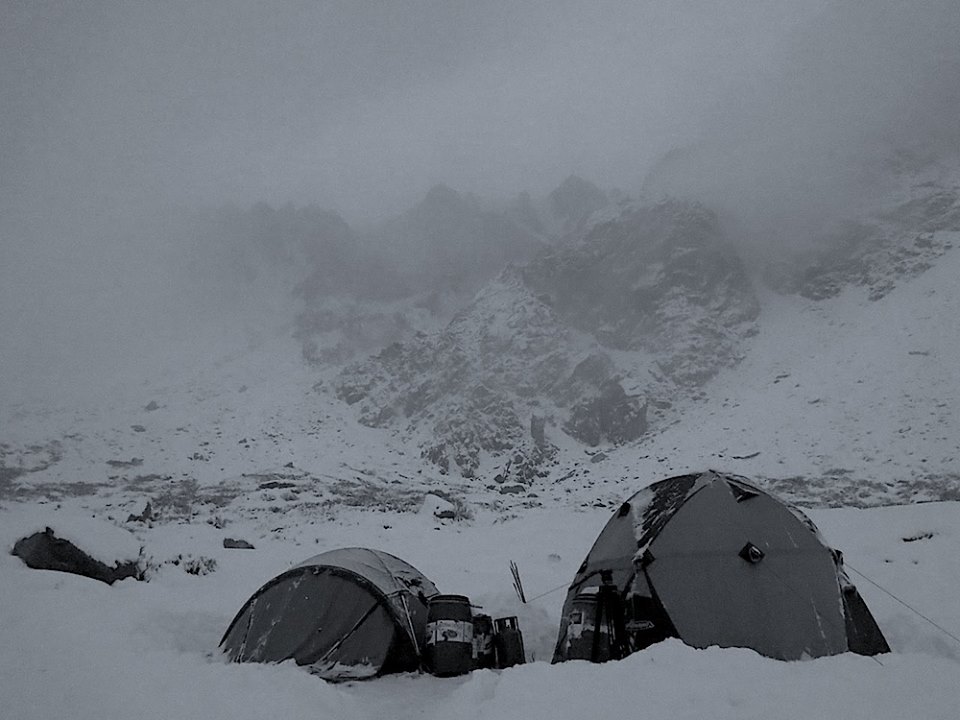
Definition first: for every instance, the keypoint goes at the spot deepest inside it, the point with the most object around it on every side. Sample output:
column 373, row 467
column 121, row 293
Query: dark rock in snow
column 131, row 463
column 145, row 516
column 613, row 416
column 237, row 544
column 46, row 551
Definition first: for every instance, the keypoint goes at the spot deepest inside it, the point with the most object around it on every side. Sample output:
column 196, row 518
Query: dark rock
column 132, row 462
column 613, row 416
column 586, row 379
column 146, row 516
column 237, row 544
column 276, row 485
column 45, row 551
column 512, row 489
column 151, row 406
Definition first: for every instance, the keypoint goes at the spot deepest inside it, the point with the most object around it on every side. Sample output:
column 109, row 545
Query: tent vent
column 741, row 493
column 751, row 553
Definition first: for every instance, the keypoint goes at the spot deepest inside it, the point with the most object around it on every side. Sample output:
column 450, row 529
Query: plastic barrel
column 449, row 635
column 581, row 626
column 508, row 641
column 484, row 653
column 583, row 642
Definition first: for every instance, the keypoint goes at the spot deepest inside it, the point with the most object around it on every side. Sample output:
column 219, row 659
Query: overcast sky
column 855, row 86
column 361, row 105
column 110, row 109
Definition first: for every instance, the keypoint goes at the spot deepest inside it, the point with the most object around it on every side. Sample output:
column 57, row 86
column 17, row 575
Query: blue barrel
column 449, row 646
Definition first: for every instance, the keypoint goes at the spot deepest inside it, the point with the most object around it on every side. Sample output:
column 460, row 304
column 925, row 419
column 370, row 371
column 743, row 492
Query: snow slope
column 849, row 392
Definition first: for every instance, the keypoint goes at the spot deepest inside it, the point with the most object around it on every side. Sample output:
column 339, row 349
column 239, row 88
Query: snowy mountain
column 898, row 239
column 638, row 349
column 659, row 287
column 642, row 340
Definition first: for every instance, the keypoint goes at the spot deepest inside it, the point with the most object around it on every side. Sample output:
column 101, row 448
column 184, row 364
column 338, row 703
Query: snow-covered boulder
column 71, row 542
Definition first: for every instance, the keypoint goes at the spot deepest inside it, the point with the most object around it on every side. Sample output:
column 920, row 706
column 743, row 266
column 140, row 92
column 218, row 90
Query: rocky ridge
column 594, row 339
column 900, row 239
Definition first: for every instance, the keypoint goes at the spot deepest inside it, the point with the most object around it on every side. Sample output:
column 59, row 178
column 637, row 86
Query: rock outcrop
column 900, row 240
column 660, row 278
column 647, row 304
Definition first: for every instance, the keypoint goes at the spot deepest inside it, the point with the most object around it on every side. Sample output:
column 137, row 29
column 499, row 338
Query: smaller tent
column 713, row 560
column 344, row 614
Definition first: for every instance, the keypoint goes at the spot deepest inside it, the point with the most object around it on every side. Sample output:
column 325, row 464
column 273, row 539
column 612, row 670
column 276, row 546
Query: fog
column 117, row 117
column 862, row 90
column 360, row 106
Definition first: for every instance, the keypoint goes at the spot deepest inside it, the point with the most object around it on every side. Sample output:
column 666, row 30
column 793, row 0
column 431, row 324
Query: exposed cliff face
column 900, row 239
column 470, row 385
column 645, row 305
column 660, row 278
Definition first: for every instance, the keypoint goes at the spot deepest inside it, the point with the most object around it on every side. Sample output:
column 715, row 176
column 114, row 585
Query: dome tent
column 343, row 614
column 713, row 560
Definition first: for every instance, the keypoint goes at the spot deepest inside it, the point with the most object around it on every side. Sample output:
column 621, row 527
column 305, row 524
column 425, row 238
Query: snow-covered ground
column 73, row 647
column 843, row 393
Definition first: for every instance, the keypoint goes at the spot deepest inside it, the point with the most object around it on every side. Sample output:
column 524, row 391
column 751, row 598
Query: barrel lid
column 449, row 598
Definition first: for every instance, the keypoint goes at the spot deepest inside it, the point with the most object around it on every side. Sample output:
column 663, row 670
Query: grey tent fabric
column 345, row 614
column 714, row 560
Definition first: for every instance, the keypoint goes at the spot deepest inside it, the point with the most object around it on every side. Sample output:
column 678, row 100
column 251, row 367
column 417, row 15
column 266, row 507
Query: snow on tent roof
column 390, row 574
